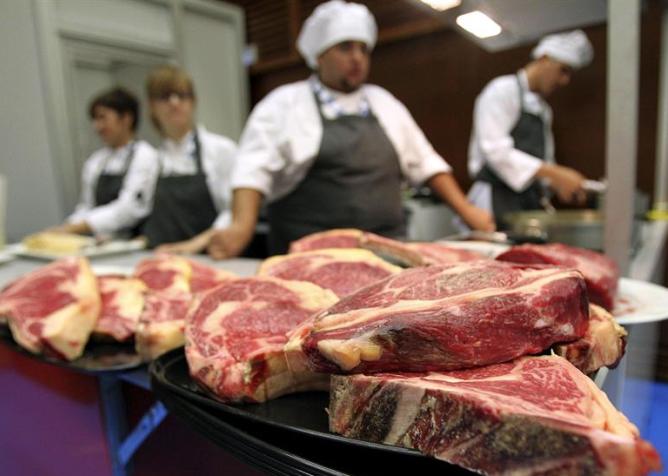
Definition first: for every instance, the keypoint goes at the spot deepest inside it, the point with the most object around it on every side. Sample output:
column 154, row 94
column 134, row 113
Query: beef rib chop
column 236, row 332
column 447, row 317
column 122, row 304
column 531, row 416
column 54, row 308
column 336, row 238
column 342, row 270
column 600, row 272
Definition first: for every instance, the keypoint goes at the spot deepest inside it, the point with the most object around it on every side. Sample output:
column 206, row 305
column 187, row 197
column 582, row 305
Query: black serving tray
column 97, row 358
column 288, row 435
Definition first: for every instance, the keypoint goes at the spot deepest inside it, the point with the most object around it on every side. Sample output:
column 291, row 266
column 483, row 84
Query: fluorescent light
column 479, row 24
column 442, row 5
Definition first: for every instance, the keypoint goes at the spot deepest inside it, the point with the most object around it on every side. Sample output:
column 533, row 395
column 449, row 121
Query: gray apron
column 529, row 136
column 108, row 186
column 354, row 182
column 182, row 206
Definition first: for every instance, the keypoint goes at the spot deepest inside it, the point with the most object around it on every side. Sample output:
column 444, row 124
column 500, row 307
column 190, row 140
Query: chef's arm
column 231, row 241
column 446, row 187
column 567, row 182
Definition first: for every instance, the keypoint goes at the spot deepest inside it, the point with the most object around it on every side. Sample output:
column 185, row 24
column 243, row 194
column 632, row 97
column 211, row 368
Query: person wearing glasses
column 192, row 191
column 117, row 179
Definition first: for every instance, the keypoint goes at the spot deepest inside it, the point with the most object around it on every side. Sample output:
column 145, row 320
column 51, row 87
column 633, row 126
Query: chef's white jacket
column 283, row 134
column 218, row 155
column 497, row 110
column 134, row 200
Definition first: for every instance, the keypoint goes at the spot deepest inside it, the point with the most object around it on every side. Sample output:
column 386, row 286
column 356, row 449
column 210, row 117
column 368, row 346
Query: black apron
column 529, row 136
column 354, row 182
column 182, row 206
column 108, row 186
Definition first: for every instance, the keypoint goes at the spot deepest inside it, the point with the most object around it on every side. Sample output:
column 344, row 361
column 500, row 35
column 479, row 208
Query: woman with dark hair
column 192, row 191
column 117, row 179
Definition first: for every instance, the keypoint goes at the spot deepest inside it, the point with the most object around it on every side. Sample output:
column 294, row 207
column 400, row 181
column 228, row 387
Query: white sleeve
column 89, row 175
column 496, row 112
column 259, row 159
column 135, row 198
column 420, row 160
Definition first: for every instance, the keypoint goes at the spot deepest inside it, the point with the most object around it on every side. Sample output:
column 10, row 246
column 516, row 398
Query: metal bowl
column 583, row 228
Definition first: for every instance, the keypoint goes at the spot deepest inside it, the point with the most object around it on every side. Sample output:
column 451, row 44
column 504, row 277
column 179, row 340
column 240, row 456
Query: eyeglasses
column 168, row 96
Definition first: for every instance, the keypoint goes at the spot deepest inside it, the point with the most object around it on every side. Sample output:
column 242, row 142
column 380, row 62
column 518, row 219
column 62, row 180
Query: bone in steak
column 342, row 270
column 600, row 272
column 173, row 281
column 54, row 308
column 236, row 332
column 416, row 253
column 532, row 416
column 602, row 345
column 122, row 304
column 337, row 238
column 448, row 317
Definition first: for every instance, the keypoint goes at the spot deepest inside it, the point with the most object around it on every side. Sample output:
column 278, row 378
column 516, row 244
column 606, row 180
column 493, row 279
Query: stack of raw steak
column 342, row 270
column 172, row 281
column 600, row 272
column 54, row 309
column 235, row 334
column 448, row 317
column 534, row 415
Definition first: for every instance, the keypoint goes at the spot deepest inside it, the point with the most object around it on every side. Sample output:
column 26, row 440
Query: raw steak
column 416, row 253
column 448, row 317
column 602, row 345
column 174, row 280
column 236, row 333
column 600, row 272
column 164, row 272
column 54, row 308
column 338, row 238
column 535, row 415
column 122, row 304
column 160, row 327
column 343, row 270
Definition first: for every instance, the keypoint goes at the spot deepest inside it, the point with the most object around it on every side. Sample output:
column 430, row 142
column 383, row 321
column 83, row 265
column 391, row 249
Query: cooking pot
column 583, row 228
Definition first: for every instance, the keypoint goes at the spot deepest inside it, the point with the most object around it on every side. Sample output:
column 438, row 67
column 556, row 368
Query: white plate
column 491, row 250
column 105, row 249
column 639, row 302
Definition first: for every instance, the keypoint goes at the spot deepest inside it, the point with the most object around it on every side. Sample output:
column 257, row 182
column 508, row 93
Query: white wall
column 34, row 200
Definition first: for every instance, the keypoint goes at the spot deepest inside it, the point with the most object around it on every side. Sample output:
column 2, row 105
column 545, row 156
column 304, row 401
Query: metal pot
column 583, row 228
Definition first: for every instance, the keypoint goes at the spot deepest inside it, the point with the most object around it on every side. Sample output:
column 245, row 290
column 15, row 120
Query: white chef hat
column 333, row 22
column 571, row 48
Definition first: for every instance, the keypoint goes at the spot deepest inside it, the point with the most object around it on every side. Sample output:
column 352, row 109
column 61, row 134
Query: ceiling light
column 479, row 24
column 442, row 5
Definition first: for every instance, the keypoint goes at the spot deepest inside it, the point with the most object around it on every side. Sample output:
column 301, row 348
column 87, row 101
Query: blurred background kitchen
column 610, row 123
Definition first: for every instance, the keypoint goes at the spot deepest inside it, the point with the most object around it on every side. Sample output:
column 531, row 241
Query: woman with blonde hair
column 192, row 191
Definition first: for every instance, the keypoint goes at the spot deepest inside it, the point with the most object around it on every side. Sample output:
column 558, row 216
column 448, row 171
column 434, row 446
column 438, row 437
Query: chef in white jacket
column 192, row 191
column 511, row 152
column 117, row 180
column 331, row 151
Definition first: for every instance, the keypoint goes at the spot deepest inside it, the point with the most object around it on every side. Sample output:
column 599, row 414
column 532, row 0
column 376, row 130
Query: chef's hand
column 229, row 242
column 567, row 182
column 192, row 246
column 478, row 219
